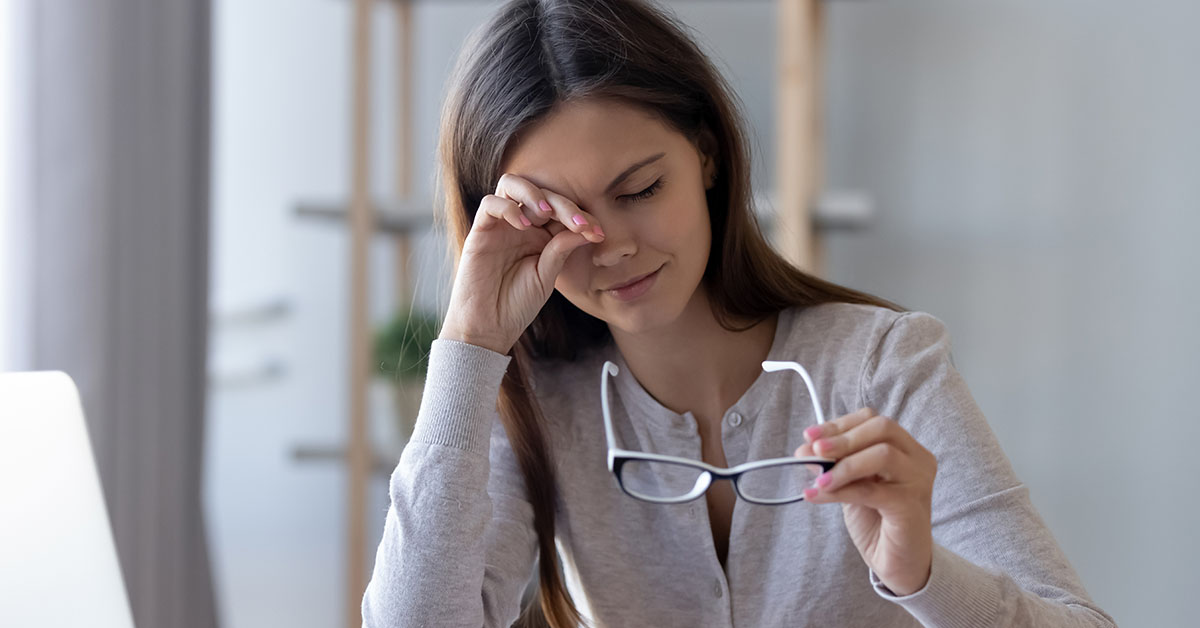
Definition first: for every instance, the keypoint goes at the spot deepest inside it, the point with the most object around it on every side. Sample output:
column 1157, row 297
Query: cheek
column 684, row 230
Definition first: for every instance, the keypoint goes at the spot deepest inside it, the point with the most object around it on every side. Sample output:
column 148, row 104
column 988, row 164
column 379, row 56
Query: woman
column 596, row 182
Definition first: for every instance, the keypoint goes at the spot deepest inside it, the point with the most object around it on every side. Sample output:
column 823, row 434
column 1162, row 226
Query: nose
column 617, row 245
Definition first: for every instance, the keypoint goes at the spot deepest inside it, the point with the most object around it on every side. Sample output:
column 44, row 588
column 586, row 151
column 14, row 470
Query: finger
column 555, row 254
column 555, row 227
column 870, row 493
column 876, row 429
column 530, row 199
column 804, row 451
column 495, row 209
column 838, row 425
column 881, row 461
column 568, row 213
column 872, row 481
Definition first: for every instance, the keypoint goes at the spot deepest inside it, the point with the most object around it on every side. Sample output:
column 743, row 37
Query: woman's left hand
column 884, row 481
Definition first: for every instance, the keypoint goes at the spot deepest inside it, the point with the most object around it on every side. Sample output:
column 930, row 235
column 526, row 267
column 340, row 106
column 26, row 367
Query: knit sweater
column 459, row 548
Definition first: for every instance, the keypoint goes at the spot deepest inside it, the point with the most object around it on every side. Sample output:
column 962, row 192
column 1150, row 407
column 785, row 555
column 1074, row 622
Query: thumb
column 554, row 256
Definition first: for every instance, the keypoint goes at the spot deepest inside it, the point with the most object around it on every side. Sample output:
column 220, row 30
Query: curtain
column 118, row 215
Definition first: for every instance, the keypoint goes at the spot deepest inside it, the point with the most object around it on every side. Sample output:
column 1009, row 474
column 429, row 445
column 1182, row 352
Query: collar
column 635, row 399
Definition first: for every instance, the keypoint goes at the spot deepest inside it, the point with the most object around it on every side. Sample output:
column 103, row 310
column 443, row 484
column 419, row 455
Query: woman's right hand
column 517, row 245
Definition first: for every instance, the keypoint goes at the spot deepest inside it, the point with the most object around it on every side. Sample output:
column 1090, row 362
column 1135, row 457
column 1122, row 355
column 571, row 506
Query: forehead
column 579, row 147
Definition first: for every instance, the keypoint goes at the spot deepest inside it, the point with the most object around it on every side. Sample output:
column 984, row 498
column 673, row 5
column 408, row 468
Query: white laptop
column 58, row 563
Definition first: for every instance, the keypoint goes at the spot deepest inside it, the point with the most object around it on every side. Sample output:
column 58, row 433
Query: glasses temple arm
column 778, row 365
column 609, row 368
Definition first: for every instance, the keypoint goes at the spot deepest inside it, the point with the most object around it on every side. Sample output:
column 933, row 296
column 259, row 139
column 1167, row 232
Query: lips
column 632, row 281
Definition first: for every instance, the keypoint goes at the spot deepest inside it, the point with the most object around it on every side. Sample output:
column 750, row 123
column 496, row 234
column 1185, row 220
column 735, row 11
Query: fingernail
column 598, row 230
column 579, row 220
column 525, row 221
column 810, row 493
column 544, row 206
column 812, row 432
column 824, row 479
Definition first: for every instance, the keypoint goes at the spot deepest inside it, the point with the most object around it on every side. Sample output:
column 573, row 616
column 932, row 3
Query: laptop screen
column 58, row 562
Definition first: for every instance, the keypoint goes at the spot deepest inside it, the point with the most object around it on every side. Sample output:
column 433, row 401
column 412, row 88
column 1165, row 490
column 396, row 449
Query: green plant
column 402, row 345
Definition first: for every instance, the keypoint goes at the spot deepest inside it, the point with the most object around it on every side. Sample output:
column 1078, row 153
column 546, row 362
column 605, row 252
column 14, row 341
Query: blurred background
column 175, row 178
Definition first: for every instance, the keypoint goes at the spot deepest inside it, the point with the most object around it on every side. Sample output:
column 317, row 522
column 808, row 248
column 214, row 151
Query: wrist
column 451, row 332
column 906, row 586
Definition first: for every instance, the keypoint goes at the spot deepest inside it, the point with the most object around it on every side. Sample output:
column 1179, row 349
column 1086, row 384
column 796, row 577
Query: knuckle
column 496, row 204
column 506, row 180
column 846, row 467
column 877, row 423
column 891, row 454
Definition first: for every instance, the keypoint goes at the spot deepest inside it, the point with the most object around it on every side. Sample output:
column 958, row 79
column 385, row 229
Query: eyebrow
column 632, row 169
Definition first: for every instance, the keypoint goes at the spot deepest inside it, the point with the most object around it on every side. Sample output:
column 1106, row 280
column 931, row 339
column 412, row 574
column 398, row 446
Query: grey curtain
column 119, row 220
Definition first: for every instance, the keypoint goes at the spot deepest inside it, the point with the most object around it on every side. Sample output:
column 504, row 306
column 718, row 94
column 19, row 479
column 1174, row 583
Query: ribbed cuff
column 959, row 593
column 458, row 403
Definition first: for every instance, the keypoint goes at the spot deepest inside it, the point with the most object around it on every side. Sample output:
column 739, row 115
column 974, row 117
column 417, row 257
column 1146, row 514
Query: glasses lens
column 781, row 483
column 660, row 480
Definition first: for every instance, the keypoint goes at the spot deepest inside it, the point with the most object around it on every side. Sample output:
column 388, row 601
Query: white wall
column 1036, row 168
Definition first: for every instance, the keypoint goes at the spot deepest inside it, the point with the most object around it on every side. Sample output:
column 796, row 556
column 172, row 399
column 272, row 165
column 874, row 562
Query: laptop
column 58, row 562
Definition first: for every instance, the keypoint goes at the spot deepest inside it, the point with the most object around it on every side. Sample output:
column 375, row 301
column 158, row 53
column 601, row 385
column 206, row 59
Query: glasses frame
column 617, row 457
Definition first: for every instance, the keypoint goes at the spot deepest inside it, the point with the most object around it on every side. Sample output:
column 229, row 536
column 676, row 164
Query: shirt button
column 735, row 419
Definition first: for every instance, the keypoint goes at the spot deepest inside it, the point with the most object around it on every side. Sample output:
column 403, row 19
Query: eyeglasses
column 663, row 479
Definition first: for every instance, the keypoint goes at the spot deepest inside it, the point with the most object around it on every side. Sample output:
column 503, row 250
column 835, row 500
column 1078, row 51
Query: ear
column 706, row 143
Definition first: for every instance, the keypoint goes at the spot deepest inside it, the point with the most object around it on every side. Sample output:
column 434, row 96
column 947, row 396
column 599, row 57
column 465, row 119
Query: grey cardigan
column 458, row 545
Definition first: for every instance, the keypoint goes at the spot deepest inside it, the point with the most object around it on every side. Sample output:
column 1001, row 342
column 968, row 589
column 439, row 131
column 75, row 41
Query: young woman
column 597, row 193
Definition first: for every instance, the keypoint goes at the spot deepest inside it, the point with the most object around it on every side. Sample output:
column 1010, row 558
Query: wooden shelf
column 397, row 219
column 835, row 210
column 383, row 463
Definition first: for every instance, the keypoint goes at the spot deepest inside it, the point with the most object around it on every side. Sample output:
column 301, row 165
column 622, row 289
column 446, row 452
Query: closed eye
column 646, row 193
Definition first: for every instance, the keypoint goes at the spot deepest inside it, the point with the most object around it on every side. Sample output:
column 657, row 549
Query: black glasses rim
column 735, row 478
column 752, row 500
column 619, row 461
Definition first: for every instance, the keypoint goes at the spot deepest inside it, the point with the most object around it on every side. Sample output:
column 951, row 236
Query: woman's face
column 655, row 218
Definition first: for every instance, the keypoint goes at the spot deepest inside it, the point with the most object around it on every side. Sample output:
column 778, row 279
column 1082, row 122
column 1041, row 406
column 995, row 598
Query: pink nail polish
column 544, row 206
column 598, row 230
column 579, row 220
column 824, row 479
column 525, row 221
column 810, row 493
column 812, row 432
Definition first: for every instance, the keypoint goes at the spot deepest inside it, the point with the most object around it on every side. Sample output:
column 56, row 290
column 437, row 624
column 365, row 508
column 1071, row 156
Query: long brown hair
column 532, row 55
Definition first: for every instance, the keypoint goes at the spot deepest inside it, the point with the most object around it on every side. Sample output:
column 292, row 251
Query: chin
column 653, row 312
column 635, row 323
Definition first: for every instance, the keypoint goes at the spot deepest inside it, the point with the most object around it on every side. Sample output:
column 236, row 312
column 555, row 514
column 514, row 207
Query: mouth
column 635, row 288
column 630, row 282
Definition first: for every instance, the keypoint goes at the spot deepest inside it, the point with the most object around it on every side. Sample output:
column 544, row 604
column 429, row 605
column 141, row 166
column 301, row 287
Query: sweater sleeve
column 995, row 562
column 458, row 545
